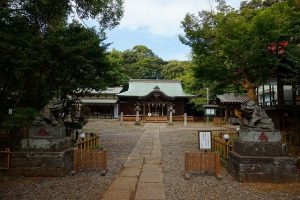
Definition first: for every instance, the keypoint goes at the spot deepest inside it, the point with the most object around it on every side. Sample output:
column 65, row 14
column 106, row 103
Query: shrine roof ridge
column 144, row 87
column 154, row 80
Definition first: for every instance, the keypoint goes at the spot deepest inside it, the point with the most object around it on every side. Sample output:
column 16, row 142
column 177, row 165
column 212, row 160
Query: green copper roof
column 109, row 90
column 143, row 87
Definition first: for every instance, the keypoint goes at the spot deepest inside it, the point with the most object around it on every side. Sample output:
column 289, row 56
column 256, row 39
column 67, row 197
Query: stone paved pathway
column 141, row 177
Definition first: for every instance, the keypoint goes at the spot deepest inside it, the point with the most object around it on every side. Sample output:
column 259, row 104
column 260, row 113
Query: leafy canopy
column 230, row 46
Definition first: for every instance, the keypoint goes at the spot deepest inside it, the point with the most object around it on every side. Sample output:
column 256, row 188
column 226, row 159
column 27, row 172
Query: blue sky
column 156, row 24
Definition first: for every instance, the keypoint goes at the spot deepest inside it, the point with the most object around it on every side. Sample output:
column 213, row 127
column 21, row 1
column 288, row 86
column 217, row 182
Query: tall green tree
column 76, row 60
column 141, row 62
column 117, row 72
column 38, row 47
column 231, row 46
column 174, row 69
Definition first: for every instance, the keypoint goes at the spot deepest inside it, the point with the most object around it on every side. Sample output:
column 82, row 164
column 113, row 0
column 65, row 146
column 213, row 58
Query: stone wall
column 42, row 163
column 261, row 162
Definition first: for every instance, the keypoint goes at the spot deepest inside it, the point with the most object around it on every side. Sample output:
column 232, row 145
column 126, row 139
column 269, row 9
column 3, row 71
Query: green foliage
column 174, row 69
column 76, row 59
column 136, row 63
column 21, row 117
column 73, row 125
column 117, row 68
column 42, row 56
column 229, row 47
column 141, row 63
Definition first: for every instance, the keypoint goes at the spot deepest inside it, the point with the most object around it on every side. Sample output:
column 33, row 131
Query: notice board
column 204, row 140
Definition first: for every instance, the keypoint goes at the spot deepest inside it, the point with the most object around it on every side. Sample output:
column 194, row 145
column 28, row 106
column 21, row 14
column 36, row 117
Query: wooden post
column 185, row 119
column 105, row 160
column 186, row 163
column 8, row 158
column 75, row 162
column 227, row 149
column 217, row 165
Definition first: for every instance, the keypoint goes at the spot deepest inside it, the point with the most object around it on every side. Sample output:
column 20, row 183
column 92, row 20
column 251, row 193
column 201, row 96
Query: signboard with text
column 210, row 111
column 204, row 140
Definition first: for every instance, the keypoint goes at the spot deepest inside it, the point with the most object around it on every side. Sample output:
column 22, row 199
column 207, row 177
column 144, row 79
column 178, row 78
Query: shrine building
column 153, row 98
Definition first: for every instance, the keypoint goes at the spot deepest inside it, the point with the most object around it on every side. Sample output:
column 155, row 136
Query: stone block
column 47, row 131
column 45, row 144
column 272, row 149
column 42, row 163
column 151, row 177
column 130, row 172
column 151, row 167
column 150, row 191
column 262, row 169
column 253, row 136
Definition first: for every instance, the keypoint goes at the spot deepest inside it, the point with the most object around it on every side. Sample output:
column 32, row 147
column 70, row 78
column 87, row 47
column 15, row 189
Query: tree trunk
column 250, row 88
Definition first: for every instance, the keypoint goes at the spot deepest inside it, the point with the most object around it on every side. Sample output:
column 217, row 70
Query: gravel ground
column 173, row 145
column 119, row 140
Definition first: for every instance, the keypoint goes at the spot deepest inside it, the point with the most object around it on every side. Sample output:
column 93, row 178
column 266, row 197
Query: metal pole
column 207, row 98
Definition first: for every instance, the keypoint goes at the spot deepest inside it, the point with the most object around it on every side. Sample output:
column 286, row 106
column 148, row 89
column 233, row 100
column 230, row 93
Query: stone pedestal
column 261, row 162
column 45, row 144
column 46, row 152
column 259, row 154
column 30, row 163
column 47, row 131
column 254, row 135
column 46, row 138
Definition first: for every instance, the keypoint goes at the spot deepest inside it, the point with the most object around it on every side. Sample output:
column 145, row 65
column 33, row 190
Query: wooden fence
column 88, row 143
column 5, row 157
column 218, row 120
column 175, row 118
column 155, row 118
column 202, row 162
column 221, row 146
column 131, row 118
column 92, row 160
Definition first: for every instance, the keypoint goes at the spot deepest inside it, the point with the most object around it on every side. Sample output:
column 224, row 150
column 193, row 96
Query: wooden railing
column 291, row 137
column 218, row 120
column 221, row 146
column 156, row 118
column 131, row 118
column 5, row 157
column 180, row 118
column 175, row 118
column 88, row 143
column 91, row 160
column 202, row 162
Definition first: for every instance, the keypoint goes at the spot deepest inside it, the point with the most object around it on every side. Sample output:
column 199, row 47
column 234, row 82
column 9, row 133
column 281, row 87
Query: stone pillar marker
column 185, row 119
column 121, row 117
column 259, row 155
column 171, row 110
column 137, row 114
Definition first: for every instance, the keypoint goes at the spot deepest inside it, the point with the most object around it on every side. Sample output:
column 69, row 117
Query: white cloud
column 160, row 17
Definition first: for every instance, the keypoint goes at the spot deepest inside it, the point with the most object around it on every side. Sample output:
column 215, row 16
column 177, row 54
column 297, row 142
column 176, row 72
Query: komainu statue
column 49, row 115
column 255, row 118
